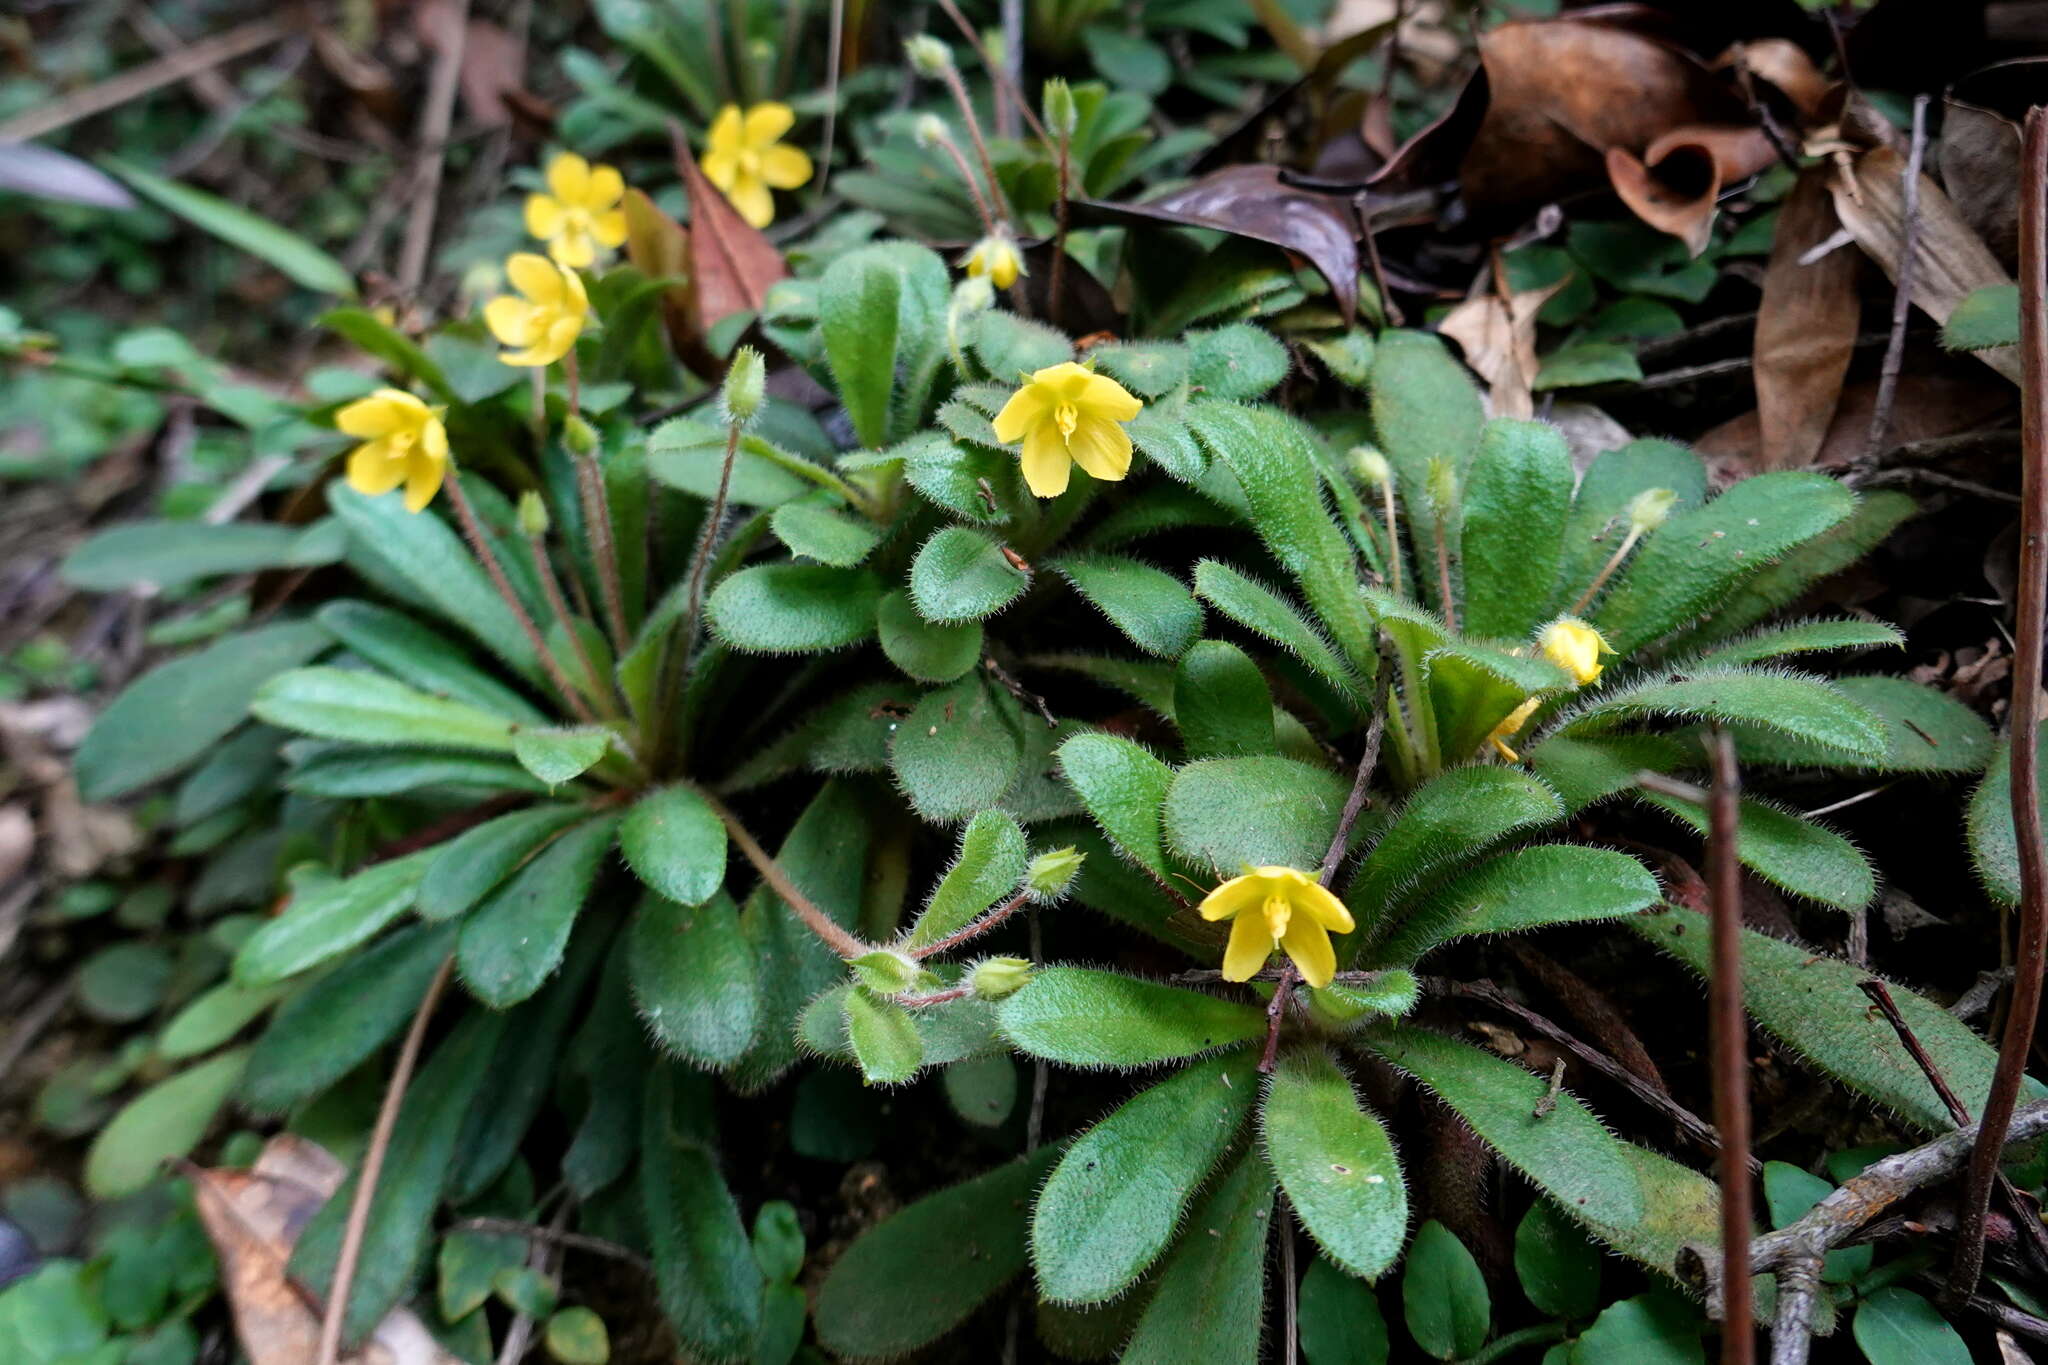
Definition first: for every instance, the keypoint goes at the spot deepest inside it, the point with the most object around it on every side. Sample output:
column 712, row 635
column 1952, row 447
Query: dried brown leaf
column 731, row 264
column 1805, row 328
column 1980, row 148
column 1498, row 336
column 1675, row 185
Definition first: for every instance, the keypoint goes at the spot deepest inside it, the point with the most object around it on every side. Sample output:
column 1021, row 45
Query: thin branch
column 1902, row 297
column 1368, row 760
column 572, row 1241
column 434, row 122
column 1798, row 1294
column 997, row 71
column 597, row 512
column 997, row 200
column 551, row 588
column 976, row 929
column 336, row 1312
column 188, row 61
column 2026, row 715
column 803, row 907
column 473, row 531
column 1728, row 1035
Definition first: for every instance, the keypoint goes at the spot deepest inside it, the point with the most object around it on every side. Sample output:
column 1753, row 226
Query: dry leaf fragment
column 1499, row 339
column 1949, row 259
column 731, row 264
column 1675, row 185
column 1980, row 148
column 1805, row 328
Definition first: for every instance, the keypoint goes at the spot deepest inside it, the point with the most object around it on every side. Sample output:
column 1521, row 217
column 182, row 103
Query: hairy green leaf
column 1080, row 1017
column 1336, row 1162
column 1517, row 490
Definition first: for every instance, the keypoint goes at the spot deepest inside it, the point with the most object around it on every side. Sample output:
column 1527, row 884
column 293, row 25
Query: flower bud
column 997, row 258
column 579, row 435
column 930, row 131
column 1575, row 647
column 1061, row 117
column 973, row 295
column 885, row 971
column 1371, row 467
column 1650, row 509
column 746, row 385
column 992, row 978
column 1051, row 873
column 1443, row 485
column 929, row 57
column 533, row 515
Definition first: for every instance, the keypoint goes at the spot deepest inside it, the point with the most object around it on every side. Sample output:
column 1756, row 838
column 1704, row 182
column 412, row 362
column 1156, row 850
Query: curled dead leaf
column 1805, row 327
column 1675, row 185
column 1980, row 148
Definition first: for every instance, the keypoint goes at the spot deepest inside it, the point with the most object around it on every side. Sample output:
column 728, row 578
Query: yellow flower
column 403, row 442
column 547, row 320
column 998, row 258
column 1510, row 725
column 1278, row 907
column 581, row 213
column 1573, row 646
column 745, row 158
column 1066, row 415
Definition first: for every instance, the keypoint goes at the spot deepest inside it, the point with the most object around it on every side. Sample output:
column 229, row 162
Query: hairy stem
column 803, row 907
column 473, row 531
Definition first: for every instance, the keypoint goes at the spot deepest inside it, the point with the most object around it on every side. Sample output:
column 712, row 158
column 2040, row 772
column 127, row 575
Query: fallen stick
column 136, row 82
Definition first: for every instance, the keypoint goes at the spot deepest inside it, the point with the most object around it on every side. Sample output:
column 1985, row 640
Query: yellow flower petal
column 543, row 216
column 753, row 200
column 606, row 188
column 610, row 228
column 422, row 482
column 1102, row 448
column 767, row 122
column 573, row 249
column 575, row 298
column 1318, row 903
column 569, row 178
column 434, row 437
column 1027, row 407
column 1046, row 464
column 372, row 471
column 1308, row 943
column 536, row 277
column 728, row 133
column 721, row 168
column 1234, row 896
column 1062, row 383
column 511, row 320
column 784, row 168
column 1104, row 397
column 1250, row 945
column 379, row 414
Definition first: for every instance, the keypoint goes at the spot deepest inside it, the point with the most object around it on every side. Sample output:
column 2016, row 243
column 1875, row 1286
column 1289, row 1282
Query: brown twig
column 2018, row 1039
column 473, row 531
column 1276, row 1007
column 1728, row 1036
column 803, row 907
column 188, row 61
column 1368, row 761
column 1902, row 297
column 434, row 122
column 572, row 1241
column 981, row 204
column 336, row 1311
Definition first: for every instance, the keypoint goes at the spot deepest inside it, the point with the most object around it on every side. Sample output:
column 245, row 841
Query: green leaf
column 1261, row 610
column 982, row 1090
column 961, row 575
column 1336, row 1163
column 1688, row 565
column 474, row 863
column 1801, row 637
column 423, row 1148
column 513, row 942
column 950, row 474
column 818, row 527
column 988, row 867
column 1641, row 1204
column 370, row 708
column 1657, row 1328
column 1221, row 703
column 330, row 918
column 1443, row 1295
column 1517, row 490
column 163, row 1122
column 1816, row 1008
column 884, row 1037
column 957, row 752
column 1124, row 787
column 343, row 771
column 1584, row 363
column 1987, row 317
column 1150, row 369
column 1113, row 1203
column 178, row 711
column 1994, row 842
column 1080, row 1017
column 1791, row 1194
column 412, row 653
column 1272, row 456
column 1598, row 521
column 329, row 1028
column 293, row 255
column 1789, row 851
column 1559, row 1269
column 1526, row 889
column 1447, row 820
column 1927, row 731
column 1796, row 705
column 1473, row 688
column 881, row 311
column 124, row 982
column 1238, row 362
column 675, row 844
column 704, row 1270
column 467, row 1264
column 1878, row 513
column 694, row 978
column 576, row 1336
column 882, row 1301
column 172, row 554
column 1340, row 1317
column 1210, row 1303
column 560, row 753
column 376, row 337
column 688, row 454
column 1424, row 406
column 1222, row 813
column 1149, row 605
column 1895, row 1326
column 794, row 608
column 214, row 1017
column 433, row 562
column 1584, row 771
column 1007, row 344
column 927, row 652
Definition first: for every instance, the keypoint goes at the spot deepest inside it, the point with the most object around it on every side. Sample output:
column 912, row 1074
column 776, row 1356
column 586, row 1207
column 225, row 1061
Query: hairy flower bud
column 886, row 971
column 533, row 515
column 1061, row 116
column 1050, row 874
column 579, row 435
column 746, row 385
column 1371, row 467
column 1575, row 647
column 992, row 978
column 1443, row 485
column 930, row 131
column 929, row 57
column 1650, row 509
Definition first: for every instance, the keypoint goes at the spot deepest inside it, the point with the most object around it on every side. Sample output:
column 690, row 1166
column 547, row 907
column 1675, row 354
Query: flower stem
column 682, row 647
column 976, row 929
column 981, row 208
column 1393, row 534
column 1443, row 573
column 473, row 531
column 816, row 920
column 551, row 587
column 1057, row 298
column 995, row 188
column 1628, row 542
